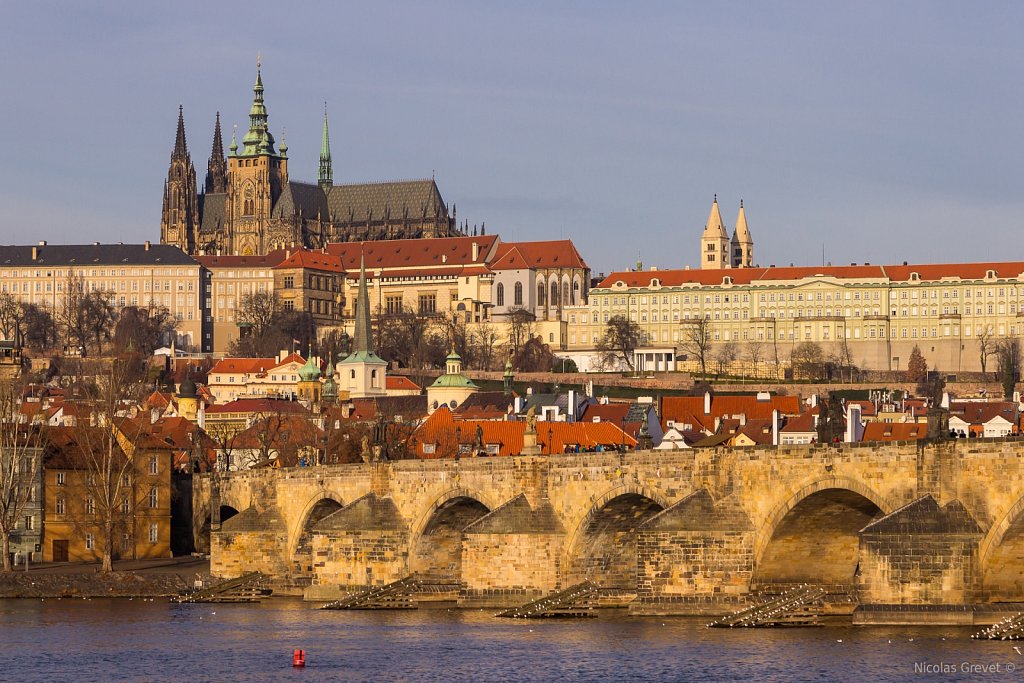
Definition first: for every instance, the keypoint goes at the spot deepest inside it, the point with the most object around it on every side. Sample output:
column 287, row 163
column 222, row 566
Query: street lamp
column 551, row 443
column 458, row 441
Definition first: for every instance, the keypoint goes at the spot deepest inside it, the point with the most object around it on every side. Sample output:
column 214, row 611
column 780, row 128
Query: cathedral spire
column 326, row 173
column 180, row 146
column 217, row 168
column 258, row 140
column 363, row 341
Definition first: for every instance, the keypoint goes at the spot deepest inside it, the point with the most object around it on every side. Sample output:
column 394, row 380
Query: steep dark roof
column 95, row 254
column 357, row 201
column 306, row 199
column 212, row 210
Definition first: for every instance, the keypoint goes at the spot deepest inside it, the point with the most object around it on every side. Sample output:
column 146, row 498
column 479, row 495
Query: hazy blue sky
column 885, row 131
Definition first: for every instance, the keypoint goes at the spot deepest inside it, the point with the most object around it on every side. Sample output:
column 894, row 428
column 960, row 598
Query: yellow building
column 231, row 279
column 75, row 504
column 865, row 315
column 140, row 275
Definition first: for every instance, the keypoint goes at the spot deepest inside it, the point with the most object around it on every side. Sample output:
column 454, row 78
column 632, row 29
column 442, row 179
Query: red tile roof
column 257, row 405
column 894, row 431
column 242, row 365
column 400, row 382
column 314, row 260
column 440, row 429
column 690, row 409
column 546, row 254
column 745, row 276
column 412, row 253
column 802, row 423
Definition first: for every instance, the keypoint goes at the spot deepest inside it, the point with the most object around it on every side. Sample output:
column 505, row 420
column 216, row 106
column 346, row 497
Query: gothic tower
column 217, row 168
column 256, row 177
column 179, row 219
column 363, row 372
column 742, row 242
column 326, row 178
column 714, row 243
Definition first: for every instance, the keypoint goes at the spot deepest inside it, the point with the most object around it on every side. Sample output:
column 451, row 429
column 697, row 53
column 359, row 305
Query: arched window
column 519, row 294
column 540, row 293
column 554, row 294
column 575, row 292
column 373, row 378
column 565, row 292
column 501, row 294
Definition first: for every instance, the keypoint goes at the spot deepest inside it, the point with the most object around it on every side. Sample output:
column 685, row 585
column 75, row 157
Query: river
column 133, row 640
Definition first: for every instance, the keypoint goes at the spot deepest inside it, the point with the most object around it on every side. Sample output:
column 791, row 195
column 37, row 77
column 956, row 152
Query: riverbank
column 130, row 579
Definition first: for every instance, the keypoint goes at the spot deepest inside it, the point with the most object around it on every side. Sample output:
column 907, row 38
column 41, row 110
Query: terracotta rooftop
column 546, row 254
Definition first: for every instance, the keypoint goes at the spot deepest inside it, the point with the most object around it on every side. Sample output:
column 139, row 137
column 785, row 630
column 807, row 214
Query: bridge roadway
column 669, row 532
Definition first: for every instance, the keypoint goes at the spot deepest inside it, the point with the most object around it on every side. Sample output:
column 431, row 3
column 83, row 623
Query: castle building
column 717, row 250
column 250, row 206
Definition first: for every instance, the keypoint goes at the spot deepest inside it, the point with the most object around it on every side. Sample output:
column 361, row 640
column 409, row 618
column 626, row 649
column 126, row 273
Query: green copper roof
column 453, row 356
column 364, row 357
column 310, row 371
column 326, row 173
column 258, row 139
column 454, row 381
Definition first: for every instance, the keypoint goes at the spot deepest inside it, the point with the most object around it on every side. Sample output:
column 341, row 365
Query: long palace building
column 872, row 314
column 249, row 205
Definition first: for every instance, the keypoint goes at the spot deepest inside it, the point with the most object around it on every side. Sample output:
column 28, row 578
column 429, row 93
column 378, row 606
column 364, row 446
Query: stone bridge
column 667, row 532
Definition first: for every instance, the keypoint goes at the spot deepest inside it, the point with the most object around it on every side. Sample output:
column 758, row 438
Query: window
column 60, row 506
column 427, row 303
column 519, row 294
column 30, row 522
column 501, row 294
column 125, row 506
column 289, row 282
column 90, row 506
column 429, row 448
column 90, row 541
column 393, row 304
column 153, row 465
column 61, row 478
column 154, row 532
column 154, row 498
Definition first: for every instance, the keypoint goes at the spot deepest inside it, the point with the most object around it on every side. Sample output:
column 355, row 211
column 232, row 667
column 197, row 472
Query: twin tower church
column 248, row 205
column 717, row 250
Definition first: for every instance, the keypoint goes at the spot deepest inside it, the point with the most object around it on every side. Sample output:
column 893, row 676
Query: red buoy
column 299, row 658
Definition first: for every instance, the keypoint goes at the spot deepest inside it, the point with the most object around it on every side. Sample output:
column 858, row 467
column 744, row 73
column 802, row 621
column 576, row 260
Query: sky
column 862, row 131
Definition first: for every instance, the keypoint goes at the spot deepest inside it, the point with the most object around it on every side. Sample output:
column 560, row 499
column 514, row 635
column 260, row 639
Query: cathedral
column 249, row 206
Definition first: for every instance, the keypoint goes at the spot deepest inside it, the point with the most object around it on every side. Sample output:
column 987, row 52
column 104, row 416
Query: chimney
column 571, row 411
column 42, row 243
column 853, row 425
column 743, row 419
column 476, row 251
column 707, row 402
column 775, row 427
column 201, row 415
column 35, row 253
column 147, row 245
column 945, row 399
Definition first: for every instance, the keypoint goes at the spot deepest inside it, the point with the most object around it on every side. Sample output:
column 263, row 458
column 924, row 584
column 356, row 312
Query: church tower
column 256, row 176
column 326, row 177
column 363, row 372
column 742, row 242
column 714, row 243
column 179, row 219
column 217, row 168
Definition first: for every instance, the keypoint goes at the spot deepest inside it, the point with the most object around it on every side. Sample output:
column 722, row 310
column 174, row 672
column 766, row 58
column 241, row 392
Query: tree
column 986, row 346
column 754, row 351
column 143, row 329
column 696, row 341
column 808, row 361
column 11, row 314
column 105, row 452
column 917, row 366
column 20, row 464
column 726, row 356
column 621, row 337
column 521, row 326
column 535, row 356
column 1008, row 363
column 40, row 327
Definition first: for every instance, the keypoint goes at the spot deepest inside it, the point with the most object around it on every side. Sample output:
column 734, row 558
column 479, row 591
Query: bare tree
column 11, row 315
column 620, row 339
column 521, row 328
column 1008, row 362
column 808, row 360
column 986, row 346
column 20, row 466
column 104, row 444
column 483, row 340
column 696, row 341
column 726, row 355
column 754, row 351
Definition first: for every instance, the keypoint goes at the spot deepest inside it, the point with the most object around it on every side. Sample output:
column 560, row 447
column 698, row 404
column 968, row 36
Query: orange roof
column 440, row 430
column 690, row 409
column 231, row 261
column 412, row 253
column 745, row 276
column 242, row 365
column 257, row 405
column 894, row 431
column 981, row 412
column 546, row 254
column 801, row 423
column 314, row 260
column 400, row 382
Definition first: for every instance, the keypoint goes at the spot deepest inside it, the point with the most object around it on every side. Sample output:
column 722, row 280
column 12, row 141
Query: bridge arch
column 300, row 548
column 602, row 544
column 1001, row 555
column 813, row 535
column 435, row 541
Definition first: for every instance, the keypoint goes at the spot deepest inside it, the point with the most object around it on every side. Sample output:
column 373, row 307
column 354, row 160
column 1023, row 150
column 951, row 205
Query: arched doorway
column 437, row 552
